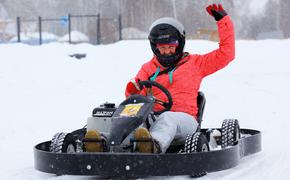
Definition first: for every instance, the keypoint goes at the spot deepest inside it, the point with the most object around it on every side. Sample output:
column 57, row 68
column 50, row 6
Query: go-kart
column 206, row 150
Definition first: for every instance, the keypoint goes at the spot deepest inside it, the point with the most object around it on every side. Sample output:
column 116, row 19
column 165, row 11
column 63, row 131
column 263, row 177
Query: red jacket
column 187, row 77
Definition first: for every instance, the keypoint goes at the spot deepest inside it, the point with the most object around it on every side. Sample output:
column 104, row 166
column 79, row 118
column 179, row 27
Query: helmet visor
column 171, row 44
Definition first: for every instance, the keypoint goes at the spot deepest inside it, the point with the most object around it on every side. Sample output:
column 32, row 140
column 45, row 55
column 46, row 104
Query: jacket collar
column 183, row 60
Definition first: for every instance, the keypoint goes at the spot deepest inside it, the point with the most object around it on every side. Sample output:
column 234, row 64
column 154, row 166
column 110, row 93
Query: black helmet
column 165, row 31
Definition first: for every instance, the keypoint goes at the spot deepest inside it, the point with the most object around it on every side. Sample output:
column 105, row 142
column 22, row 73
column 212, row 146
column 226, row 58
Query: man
column 181, row 73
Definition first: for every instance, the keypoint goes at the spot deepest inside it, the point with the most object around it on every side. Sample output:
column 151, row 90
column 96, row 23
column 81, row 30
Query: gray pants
column 172, row 127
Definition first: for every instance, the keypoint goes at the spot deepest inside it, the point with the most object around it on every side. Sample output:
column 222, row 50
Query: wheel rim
column 204, row 148
column 70, row 149
column 237, row 134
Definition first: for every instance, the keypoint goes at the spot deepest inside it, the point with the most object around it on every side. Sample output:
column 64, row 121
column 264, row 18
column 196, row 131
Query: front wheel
column 196, row 142
column 63, row 143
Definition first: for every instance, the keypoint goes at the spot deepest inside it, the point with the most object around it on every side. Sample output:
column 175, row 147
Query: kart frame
column 133, row 165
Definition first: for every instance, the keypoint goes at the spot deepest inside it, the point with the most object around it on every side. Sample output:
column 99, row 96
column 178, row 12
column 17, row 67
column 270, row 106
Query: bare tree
column 284, row 17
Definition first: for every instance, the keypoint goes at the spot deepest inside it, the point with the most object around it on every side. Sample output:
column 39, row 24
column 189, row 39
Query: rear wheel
column 63, row 143
column 196, row 142
column 230, row 132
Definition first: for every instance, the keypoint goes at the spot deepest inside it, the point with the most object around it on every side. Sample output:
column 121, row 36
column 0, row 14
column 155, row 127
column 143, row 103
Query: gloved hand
column 133, row 87
column 217, row 11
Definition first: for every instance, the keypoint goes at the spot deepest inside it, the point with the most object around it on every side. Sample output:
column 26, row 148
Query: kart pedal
column 144, row 142
column 93, row 141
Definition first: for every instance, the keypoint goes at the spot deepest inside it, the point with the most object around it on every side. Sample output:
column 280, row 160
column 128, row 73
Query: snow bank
column 44, row 91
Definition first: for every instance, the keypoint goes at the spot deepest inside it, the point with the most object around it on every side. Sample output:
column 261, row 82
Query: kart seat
column 200, row 105
column 174, row 148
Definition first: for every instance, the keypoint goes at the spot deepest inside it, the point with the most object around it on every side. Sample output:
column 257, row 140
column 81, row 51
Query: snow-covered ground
column 43, row 91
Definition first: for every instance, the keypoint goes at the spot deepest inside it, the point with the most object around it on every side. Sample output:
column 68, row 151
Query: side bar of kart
column 132, row 165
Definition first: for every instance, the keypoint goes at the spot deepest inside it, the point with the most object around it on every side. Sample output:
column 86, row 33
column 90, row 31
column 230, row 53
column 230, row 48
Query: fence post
column 40, row 29
column 18, row 29
column 69, row 28
column 98, row 29
column 120, row 27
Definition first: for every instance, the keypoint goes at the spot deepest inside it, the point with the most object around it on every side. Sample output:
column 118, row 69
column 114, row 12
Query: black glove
column 217, row 11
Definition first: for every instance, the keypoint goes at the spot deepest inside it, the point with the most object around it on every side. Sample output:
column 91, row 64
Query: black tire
column 63, row 143
column 196, row 142
column 230, row 132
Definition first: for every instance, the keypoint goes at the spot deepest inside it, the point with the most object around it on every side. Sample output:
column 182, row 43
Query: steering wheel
column 165, row 104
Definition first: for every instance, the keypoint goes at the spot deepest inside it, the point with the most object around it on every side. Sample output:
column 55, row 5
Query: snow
column 44, row 91
column 76, row 37
column 33, row 38
column 134, row 33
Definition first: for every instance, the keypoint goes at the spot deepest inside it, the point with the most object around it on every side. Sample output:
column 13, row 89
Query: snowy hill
column 44, row 91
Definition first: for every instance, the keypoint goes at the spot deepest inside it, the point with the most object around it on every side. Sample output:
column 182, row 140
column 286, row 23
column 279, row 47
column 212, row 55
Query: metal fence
column 70, row 28
column 78, row 29
column 7, row 30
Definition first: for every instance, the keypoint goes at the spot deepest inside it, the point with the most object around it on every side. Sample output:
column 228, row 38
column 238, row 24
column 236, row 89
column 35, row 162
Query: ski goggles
column 171, row 44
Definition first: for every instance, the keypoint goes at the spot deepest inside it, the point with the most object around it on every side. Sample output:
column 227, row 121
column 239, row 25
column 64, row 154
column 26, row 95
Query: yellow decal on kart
column 131, row 109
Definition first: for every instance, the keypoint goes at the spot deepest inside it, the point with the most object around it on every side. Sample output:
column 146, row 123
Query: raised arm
column 219, row 58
